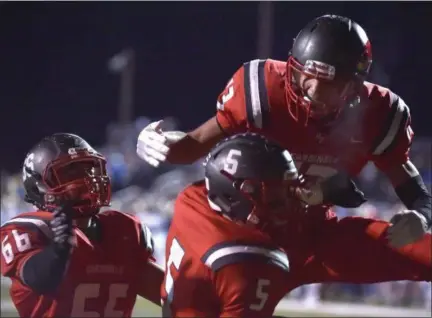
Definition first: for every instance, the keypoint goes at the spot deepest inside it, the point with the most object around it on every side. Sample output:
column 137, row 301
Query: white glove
column 406, row 227
column 153, row 144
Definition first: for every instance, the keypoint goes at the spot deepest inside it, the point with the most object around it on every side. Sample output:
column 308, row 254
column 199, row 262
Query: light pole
column 123, row 63
column 265, row 25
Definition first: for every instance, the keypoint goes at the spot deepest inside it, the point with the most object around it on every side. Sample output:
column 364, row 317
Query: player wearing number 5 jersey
column 67, row 259
column 243, row 238
column 318, row 105
column 221, row 262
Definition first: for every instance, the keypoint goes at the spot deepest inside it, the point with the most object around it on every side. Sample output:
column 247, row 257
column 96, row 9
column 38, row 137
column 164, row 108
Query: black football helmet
column 248, row 178
column 336, row 51
column 64, row 169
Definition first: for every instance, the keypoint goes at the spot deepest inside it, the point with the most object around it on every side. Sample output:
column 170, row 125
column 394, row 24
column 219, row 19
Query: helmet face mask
column 320, row 93
column 328, row 63
column 271, row 202
column 82, row 179
column 65, row 169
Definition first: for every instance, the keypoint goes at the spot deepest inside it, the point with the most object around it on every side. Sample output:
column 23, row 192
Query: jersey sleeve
column 145, row 239
column 130, row 224
column 243, row 104
column 21, row 238
column 395, row 136
column 249, row 290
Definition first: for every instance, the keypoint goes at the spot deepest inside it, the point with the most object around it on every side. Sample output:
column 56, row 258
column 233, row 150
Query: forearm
column 43, row 272
column 186, row 151
column 414, row 195
column 410, row 188
column 196, row 144
column 151, row 281
column 189, row 149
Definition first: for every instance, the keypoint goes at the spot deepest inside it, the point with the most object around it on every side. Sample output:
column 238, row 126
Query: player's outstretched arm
column 196, row 144
column 155, row 145
column 391, row 155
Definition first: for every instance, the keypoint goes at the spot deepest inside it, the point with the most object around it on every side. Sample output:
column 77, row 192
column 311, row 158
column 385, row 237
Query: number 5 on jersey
column 175, row 257
column 261, row 295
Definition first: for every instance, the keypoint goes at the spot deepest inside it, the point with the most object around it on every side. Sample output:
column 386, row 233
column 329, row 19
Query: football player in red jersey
column 67, row 259
column 227, row 254
column 220, row 260
column 319, row 107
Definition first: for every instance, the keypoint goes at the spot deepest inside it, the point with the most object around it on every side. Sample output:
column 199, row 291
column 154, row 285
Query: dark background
column 53, row 59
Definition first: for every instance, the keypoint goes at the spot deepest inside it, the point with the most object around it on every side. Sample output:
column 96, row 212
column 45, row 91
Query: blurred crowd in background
column 150, row 194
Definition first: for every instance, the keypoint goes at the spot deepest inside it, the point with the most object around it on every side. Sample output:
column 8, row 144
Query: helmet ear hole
column 35, row 194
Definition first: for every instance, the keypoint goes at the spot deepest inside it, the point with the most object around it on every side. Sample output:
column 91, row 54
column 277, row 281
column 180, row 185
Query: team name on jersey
column 104, row 269
column 319, row 159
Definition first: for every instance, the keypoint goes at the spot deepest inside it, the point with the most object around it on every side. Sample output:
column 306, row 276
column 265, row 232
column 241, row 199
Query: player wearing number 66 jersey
column 67, row 259
column 221, row 261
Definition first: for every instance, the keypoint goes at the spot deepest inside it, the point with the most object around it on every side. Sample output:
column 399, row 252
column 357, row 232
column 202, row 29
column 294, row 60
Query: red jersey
column 102, row 278
column 375, row 128
column 217, row 268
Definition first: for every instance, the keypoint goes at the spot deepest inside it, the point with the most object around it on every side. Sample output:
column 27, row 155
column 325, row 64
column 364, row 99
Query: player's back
column 101, row 275
column 213, row 263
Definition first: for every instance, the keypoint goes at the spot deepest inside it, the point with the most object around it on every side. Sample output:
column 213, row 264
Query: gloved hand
column 153, row 144
column 62, row 228
column 407, row 227
column 338, row 190
column 341, row 190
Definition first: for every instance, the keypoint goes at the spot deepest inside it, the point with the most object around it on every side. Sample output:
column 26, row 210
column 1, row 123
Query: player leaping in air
column 318, row 105
column 67, row 259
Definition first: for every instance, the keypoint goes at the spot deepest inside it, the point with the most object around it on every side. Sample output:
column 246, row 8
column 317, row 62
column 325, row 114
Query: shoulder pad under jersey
column 33, row 221
column 227, row 253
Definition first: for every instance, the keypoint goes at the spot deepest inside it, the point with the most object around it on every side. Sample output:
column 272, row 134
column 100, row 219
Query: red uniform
column 374, row 128
column 216, row 268
column 103, row 277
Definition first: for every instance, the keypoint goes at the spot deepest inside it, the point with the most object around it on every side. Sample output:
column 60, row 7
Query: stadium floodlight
column 123, row 63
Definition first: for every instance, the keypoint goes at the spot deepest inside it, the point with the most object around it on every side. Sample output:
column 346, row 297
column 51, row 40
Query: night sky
column 53, row 59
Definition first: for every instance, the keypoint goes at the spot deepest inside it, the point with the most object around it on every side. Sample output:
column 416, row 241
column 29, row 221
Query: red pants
column 355, row 250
